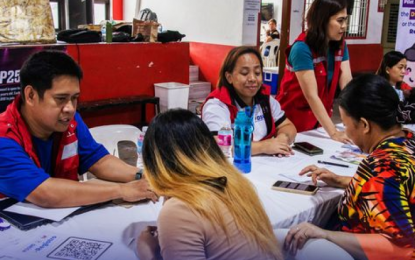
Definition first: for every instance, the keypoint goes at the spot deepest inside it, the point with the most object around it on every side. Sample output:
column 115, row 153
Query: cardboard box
column 172, row 95
column 199, row 89
column 193, row 73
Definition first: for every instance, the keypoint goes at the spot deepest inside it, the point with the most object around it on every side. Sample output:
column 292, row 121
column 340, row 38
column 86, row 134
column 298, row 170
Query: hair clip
column 219, row 183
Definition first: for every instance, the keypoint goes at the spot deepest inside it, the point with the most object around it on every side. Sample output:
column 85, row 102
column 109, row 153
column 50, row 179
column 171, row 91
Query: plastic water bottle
column 242, row 140
column 225, row 140
column 108, row 32
column 104, row 33
column 140, row 144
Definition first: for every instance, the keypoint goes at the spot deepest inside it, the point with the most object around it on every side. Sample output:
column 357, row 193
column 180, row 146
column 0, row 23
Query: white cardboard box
column 193, row 73
column 172, row 95
column 199, row 89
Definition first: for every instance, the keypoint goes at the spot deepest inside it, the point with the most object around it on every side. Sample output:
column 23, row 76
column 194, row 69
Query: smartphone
column 295, row 187
column 307, row 148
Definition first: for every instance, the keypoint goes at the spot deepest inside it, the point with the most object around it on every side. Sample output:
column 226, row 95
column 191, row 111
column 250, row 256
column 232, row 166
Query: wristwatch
column 139, row 175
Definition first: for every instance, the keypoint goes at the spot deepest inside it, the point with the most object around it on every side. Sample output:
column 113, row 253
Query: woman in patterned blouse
column 377, row 211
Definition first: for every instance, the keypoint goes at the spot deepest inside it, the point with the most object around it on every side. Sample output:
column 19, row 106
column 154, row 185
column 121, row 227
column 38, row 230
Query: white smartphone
column 295, row 187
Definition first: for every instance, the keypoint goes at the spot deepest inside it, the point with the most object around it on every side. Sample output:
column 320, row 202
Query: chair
column 269, row 52
column 110, row 136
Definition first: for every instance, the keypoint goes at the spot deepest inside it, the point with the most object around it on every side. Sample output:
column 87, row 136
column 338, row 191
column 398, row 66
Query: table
column 112, row 229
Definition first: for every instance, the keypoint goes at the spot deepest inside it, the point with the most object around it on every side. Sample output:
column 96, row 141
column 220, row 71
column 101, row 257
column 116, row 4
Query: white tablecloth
column 114, row 228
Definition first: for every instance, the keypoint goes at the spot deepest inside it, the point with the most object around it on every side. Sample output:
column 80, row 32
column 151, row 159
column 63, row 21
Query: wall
column 296, row 19
column 120, row 70
column 129, row 10
column 213, row 27
column 213, row 21
column 209, row 58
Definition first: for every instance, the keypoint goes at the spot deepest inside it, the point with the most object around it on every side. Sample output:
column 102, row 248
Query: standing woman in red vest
column 317, row 62
column 240, row 85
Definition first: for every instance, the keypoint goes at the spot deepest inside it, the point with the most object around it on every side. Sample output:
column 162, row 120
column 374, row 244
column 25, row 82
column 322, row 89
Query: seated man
column 44, row 144
column 272, row 32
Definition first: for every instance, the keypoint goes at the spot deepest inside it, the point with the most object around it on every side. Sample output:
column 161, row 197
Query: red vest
column 14, row 127
column 223, row 95
column 291, row 96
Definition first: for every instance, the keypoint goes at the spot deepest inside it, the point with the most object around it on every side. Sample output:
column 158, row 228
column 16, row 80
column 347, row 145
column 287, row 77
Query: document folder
column 25, row 222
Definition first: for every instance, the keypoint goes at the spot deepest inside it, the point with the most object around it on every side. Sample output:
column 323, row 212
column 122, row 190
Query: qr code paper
column 75, row 248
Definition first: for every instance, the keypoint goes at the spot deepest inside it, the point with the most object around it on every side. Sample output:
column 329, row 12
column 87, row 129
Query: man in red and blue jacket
column 44, row 144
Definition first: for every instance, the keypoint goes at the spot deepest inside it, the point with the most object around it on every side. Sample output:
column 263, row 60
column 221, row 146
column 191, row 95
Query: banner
column 405, row 38
column 11, row 60
column 250, row 22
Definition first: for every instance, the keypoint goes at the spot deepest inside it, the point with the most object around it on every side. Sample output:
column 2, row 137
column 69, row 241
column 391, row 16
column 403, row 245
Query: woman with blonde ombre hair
column 213, row 211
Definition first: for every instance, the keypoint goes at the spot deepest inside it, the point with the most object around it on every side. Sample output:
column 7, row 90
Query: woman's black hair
column 389, row 60
column 178, row 131
column 318, row 18
column 373, row 98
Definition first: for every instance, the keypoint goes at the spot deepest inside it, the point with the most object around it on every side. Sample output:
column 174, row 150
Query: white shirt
column 400, row 93
column 216, row 114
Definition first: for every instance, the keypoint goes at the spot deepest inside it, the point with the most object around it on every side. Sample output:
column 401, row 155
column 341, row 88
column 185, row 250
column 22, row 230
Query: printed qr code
column 75, row 248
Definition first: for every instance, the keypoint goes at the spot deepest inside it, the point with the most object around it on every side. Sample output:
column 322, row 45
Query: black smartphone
column 295, row 187
column 307, row 148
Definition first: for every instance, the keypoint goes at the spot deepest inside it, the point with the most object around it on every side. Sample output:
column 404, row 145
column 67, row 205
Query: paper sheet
column 55, row 214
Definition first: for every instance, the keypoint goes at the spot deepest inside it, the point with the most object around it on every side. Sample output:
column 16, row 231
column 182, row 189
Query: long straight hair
column 182, row 160
column 318, row 18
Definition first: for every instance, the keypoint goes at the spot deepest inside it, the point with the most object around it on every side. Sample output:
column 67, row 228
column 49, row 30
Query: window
column 101, row 11
column 381, row 5
column 357, row 23
column 58, row 14
column 393, row 23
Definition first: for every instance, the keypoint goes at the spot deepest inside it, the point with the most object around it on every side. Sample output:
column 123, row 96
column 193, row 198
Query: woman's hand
column 274, row 146
column 148, row 247
column 299, row 234
column 341, row 136
column 325, row 175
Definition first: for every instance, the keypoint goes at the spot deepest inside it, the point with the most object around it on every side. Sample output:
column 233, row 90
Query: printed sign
column 11, row 60
column 405, row 39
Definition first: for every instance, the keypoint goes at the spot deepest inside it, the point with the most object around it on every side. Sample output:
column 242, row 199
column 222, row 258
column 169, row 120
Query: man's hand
column 136, row 191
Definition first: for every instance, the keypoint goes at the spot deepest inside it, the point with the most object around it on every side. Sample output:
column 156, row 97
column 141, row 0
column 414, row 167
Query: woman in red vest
column 316, row 63
column 240, row 85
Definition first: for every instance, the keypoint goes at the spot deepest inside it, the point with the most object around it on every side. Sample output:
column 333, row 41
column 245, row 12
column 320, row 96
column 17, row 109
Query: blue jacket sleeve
column 89, row 150
column 19, row 175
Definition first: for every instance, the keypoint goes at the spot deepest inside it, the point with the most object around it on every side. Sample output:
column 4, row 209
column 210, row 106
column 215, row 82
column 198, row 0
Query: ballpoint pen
column 334, row 164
